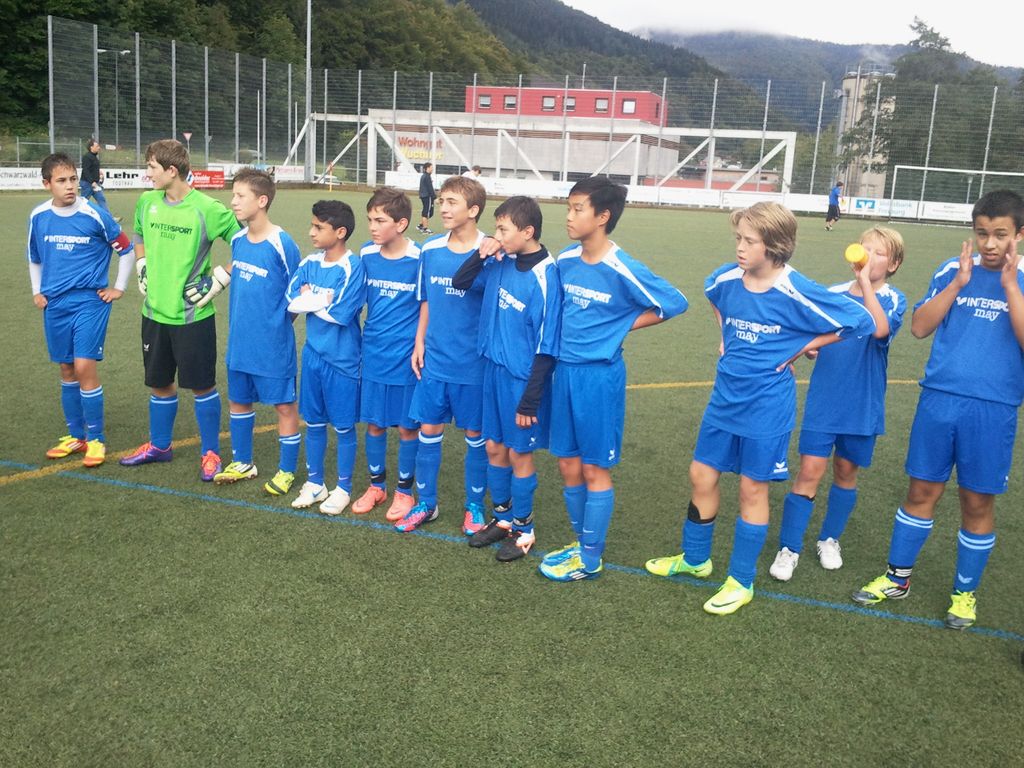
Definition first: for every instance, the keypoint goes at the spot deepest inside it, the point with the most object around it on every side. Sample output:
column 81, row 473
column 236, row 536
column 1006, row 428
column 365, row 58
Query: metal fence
column 233, row 108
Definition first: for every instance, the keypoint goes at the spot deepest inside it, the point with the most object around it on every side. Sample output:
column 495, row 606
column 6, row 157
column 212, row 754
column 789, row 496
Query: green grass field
column 150, row 619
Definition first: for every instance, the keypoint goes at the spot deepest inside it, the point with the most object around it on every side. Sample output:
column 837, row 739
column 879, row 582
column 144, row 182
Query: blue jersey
column 760, row 332
column 975, row 353
column 260, row 336
column 334, row 332
column 392, row 314
column 857, row 369
column 453, row 330
column 833, row 196
column 521, row 314
column 73, row 244
column 602, row 301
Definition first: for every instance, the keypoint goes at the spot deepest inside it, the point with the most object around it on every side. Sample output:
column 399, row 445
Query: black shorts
column 428, row 207
column 833, row 213
column 190, row 350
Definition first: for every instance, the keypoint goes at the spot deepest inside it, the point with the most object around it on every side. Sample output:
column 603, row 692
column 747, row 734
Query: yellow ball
column 855, row 254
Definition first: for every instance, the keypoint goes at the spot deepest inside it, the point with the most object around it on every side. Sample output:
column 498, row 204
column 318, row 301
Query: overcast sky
column 991, row 33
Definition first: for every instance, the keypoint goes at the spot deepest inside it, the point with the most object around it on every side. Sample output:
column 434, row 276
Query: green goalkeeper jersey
column 177, row 241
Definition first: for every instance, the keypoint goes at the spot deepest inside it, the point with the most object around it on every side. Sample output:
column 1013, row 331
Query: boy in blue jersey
column 848, row 426
column 445, row 358
column 519, row 328
column 70, row 241
column 606, row 294
column 329, row 287
column 834, row 200
column 261, row 342
column 967, row 415
column 392, row 263
column 770, row 314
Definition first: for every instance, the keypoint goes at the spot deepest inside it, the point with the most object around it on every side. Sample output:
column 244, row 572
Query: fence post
column 359, row 121
column 611, row 127
column 49, row 77
column 988, row 140
column 710, row 165
column 174, row 89
column 237, row 56
column 138, row 100
column 565, row 132
column 394, row 116
column 519, row 120
column 817, row 138
column 661, row 129
column 430, row 117
column 206, row 105
column 928, row 150
column 323, row 160
column 764, row 130
column 472, row 126
column 95, row 83
column 261, row 115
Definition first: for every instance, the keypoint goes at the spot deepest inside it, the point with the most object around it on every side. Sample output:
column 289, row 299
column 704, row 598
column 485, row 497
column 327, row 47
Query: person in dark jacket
column 427, row 195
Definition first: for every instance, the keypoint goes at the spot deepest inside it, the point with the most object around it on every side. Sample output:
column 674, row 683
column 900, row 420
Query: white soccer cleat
column 784, row 565
column 830, row 554
column 336, row 502
column 309, row 494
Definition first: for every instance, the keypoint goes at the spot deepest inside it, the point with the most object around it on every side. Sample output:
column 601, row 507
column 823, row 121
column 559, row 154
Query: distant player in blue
column 770, row 314
column 70, row 241
column 606, row 294
column 392, row 263
column 845, row 424
column 967, row 415
column 519, row 330
column 834, row 201
column 330, row 289
column 261, row 342
column 446, row 358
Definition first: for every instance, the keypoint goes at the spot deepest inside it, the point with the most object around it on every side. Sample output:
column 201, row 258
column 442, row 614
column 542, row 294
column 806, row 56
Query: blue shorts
column 857, row 449
column 386, row 405
column 248, row 388
column 325, row 394
column 588, row 412
column 502, row 393
column 762, row 459
column 438, row 402
column 975, row 435
column 75, row 324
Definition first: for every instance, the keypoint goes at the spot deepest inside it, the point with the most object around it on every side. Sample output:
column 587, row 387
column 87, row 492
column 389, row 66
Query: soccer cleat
column 336, row 502
column 234, row 472
column 677, row 565
column 880, row 589
column 310, row 494
column 962, row 613
column 95, row 454
column 830, row 554
column 65, row 447
column 280, row 484
column 515, row 546
column 147, row 453
column 729, row 598
column 570, row 569
column 784, row 565
column 365, row 503
column 209, row 466
column 401, row 503
column 560, row 555
column 474, row 519
column 495, row 531
column 417, row 516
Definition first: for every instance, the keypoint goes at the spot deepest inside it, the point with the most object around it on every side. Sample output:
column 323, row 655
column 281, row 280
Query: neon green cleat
column 234, row 472
column 280, row 484
column 676, row 565
column 730, row 598
column 560, row 555
column 570, row 569
column 962, row 613
column 880, row 589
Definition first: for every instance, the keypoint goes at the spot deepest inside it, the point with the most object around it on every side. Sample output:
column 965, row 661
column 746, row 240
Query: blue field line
column 1001, row 634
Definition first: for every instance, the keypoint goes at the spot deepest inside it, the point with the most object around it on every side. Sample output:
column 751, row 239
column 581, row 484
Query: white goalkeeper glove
column 141, row 278
column 201, row 291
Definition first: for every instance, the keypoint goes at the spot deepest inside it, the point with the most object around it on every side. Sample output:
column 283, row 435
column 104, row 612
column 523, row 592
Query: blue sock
column 316, row 447
column 972, row 551
column 841, row 502
column 597, row 515
column 575, row 504
column 499, row 480
column 241, row 426
column 208, row 417
column 428, row 464
column 796, row 514
column 522, row 502
column 476, row 470
column 346, row 457
column 92, row 410
column 71, row 402
column 407, row 450
column 376, row 458
column 746, row 546
column 162, row 411
column 697, row 538
column 909, row 534
column 289, row 452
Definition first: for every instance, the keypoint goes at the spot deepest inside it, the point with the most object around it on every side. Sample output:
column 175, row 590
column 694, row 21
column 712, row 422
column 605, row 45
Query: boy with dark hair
column 261, row 342
column 392, row 263
column 967, row 414
column 519, row 328
column 329, row 287
column 91, row 183
column 175, row 227
column 606, row 294
column 834, row 200
column 70, row 241
column 427, row 196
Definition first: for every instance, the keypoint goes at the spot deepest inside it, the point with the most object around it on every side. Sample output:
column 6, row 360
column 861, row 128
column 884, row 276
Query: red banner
column 207, row 179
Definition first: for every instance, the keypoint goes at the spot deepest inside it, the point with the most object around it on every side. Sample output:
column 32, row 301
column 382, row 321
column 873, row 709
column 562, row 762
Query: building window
column 600, row 105
column 547, row 103
column 484, row 101
column 629, row 106
column 570, row 103
column 510, row 102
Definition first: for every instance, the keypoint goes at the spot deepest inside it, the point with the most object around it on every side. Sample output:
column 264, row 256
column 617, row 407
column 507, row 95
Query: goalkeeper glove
column 201, row 291
column 140, row 271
